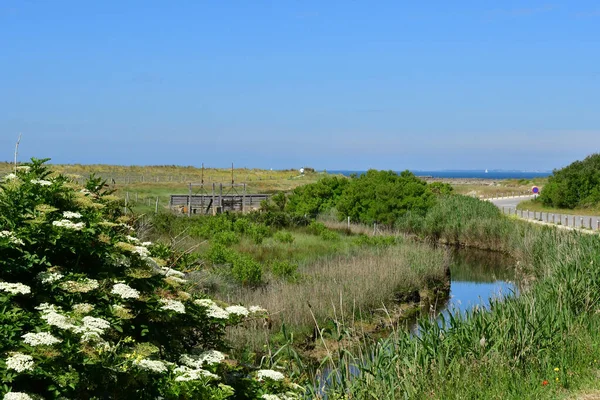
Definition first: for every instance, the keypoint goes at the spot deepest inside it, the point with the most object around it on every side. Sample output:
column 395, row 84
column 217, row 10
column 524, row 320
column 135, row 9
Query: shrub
column 90, row 311
column 283, row 237
column 226, row 238
column 246, row 270
column 315, row 198
column 384, row 196
column 284, row 269
column 577, row 185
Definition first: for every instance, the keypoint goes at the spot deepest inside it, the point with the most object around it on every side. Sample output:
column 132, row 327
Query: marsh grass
column 366, row 281
column 506, row 352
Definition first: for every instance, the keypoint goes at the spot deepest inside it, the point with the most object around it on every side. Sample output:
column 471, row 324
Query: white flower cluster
column 125, row 291
column 146, row 244
column 20, row 362
column 124, row 225
column 83, row 308
column 12, row 238
column 25, row 168
column 269, row 374
column 133, row 239
column 15, row 288
column 173, row 272
column 71, row 214
column 151, row 365
column 40, row 339
column 238, row 310
column 67, row 224
column 92, row 328
column 41, row 182
column 85, row 191
column 10, row 177
column 185, row 374
column 83, row 286
column 270, row 397
column 141, row 251
column 175, row 279
column 50, row 314
column 173, row 305
column 50, row 276
column 17, row 396
column 198, row 361
column 213, row 310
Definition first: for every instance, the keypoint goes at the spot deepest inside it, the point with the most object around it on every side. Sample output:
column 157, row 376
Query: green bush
column 384, row 196
column 90, row 311
column 284, row 269
column 577, row 185
column 246, row 270
column 226, row 238
column 283, row 237
column 316, row 198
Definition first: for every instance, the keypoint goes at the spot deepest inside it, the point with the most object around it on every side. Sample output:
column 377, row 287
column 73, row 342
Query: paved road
column 509, row 206
column 510, row 202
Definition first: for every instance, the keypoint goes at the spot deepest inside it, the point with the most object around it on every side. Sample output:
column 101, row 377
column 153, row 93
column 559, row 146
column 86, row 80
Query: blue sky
column 281, row 84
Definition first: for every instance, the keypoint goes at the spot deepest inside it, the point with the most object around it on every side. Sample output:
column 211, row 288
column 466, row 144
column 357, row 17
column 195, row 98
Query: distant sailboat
column 486, row 171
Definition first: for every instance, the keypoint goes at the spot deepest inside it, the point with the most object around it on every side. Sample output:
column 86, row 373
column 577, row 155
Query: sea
column 482, row 174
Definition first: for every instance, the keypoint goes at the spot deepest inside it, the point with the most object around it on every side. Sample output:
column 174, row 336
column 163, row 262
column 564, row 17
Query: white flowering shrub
column 89, row 311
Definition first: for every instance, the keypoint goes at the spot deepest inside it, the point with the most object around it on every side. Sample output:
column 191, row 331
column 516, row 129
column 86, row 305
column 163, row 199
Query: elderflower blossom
column 270, row 397
column 188, row 374
column 83, row 286
column 92, row 328
column 71, row 214
column 146, row 244
column 15, row 288
column 41, row 182
column 10, row 177
column 151, row 365
column 17, row 396
column 141, row 251
column 20, row 362
column 67, row 224
column 25, row 168
column 173, row 305
column 213, row 310
column 52, row 317
column 49, row 276
column 83, row 308
column 237, row 310
column 40, row 338
column 125, row 291
column 12, row 238
column 198, row 361
column 269, row 374
column 173, row 272
column 132, row 239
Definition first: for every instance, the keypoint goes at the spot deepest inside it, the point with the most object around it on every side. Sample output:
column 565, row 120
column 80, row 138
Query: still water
column 476, row 276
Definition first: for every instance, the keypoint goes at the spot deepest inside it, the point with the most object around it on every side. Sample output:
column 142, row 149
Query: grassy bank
column 541, row 344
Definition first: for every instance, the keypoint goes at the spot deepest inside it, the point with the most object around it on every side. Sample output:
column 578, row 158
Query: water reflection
column 475, row 277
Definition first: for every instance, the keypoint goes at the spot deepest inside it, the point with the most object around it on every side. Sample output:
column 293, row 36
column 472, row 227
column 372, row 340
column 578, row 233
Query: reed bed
column 542, row 344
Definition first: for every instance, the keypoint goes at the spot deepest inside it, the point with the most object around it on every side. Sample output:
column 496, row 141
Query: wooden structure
column 202, row 202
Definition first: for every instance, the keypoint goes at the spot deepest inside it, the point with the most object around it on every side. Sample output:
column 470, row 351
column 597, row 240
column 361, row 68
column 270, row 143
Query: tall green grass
column 507, row 352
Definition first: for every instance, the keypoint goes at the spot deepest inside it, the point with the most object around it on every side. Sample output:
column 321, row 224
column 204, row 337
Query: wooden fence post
column 156, row 206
